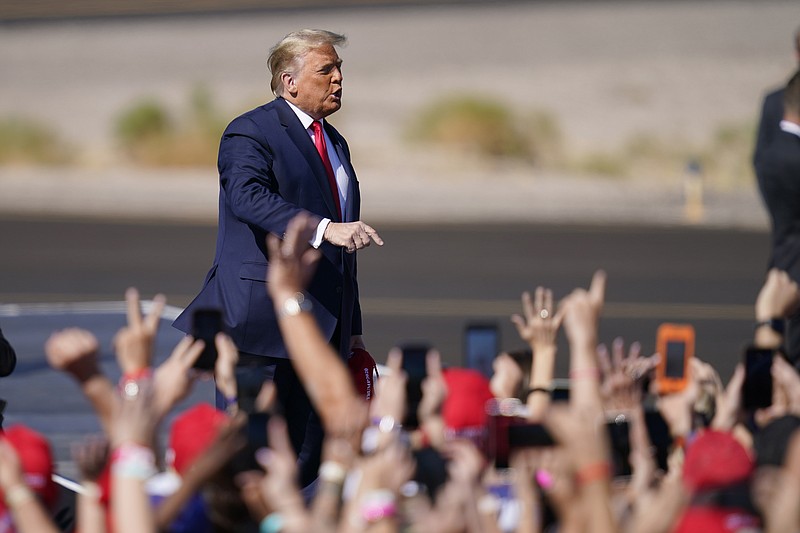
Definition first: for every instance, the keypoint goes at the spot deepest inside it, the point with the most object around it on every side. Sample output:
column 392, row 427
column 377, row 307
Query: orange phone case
column 669, row 333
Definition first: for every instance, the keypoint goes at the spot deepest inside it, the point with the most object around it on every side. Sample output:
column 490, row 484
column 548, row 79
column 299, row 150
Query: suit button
column 338, row 290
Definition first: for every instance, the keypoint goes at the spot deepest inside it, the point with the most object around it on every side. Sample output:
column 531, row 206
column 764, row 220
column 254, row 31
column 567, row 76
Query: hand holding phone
column 757, row 386
column 206, row 323
column 675, row 344
column 481, row 346
column 414, row 365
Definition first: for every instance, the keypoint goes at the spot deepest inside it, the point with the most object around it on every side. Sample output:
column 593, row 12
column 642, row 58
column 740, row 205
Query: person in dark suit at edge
column 778, row 174
column 8, row 361
column 772, row 111
column 276, row 161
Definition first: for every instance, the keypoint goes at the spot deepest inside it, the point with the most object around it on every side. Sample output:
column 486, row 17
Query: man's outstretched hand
column 351, row 236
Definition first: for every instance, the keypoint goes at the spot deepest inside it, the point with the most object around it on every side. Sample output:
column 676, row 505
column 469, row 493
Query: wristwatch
column 777, row 325
column 294, row 305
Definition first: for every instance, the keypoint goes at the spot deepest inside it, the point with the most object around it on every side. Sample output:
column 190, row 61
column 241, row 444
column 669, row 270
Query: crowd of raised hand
column 724, row 468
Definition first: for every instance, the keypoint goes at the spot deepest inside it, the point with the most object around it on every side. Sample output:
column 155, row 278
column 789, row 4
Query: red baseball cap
column 193, row 431
column 36, row 458
column 464, row 409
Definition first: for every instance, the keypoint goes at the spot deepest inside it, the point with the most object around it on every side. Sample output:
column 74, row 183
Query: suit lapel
column 301, row 139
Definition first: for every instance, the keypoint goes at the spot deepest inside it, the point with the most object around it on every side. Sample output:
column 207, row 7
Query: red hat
column 364, row 371
column 192, row 433
column 36, row 458
column 464, row 409
column 715, row 460
column 716, row 520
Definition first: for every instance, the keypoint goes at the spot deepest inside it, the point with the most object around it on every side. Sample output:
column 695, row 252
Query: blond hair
column 287, row 56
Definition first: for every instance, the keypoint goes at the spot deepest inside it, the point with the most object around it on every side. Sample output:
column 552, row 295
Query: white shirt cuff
column 316, row 242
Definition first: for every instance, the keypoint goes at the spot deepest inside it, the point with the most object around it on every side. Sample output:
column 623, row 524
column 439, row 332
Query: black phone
column 757, row 387
column 507, row 433
column 481, row 345
column 619, row 435
column 255, row 430
column 206, row 323
column 414, row 356
column 560, row 390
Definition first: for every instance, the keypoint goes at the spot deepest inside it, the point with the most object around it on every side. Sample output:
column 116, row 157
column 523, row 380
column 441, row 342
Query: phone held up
column 757, row 387
column 675, row 343
column 481, row 345
column 206, row 323
column 414, row 365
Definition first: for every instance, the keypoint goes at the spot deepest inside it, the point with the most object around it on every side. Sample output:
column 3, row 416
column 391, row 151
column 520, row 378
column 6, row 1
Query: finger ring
column 544, row 313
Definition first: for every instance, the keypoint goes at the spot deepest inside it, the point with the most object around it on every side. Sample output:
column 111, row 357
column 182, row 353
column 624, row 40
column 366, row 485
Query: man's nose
column 337, row 74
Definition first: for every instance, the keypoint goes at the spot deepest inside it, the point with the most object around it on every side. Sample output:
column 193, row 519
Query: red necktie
column 319, row 142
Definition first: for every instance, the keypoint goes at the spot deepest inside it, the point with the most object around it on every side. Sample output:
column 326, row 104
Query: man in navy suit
column 778, row 172
column 772, row 112
column 276, row 161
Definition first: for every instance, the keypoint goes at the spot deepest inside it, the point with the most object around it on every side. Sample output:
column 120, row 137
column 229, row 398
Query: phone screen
column 508, row 433
column 414, row 356
column 481, row 344
column 206, row 323
column 676, row 359
column 619, row 435
column 256, row 432
column 757, row 388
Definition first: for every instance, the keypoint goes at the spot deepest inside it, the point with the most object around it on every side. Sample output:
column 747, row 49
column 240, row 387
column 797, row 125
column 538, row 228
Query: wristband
column 593, row 472
column 136, row 375
column 19, row 494
column 133, row 461
column 579, row 373
column 778, row 325
column 543, row 390
column 90, row 491
column 377, row 505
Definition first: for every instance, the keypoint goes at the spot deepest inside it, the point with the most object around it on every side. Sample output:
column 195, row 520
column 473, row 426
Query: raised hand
column 292, row 261
column 134, row 343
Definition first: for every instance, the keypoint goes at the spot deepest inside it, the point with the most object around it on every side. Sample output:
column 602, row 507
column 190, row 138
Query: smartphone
column 757, row 387
column 255, row 430
column 675, row 343
column 414, row 356
column 507, row 433
column 481, row 346
column 619, row 436
column 560, row 390
column 206, row 323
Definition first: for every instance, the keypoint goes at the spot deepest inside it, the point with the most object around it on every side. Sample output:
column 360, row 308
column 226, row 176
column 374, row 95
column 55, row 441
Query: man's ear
column 289, row 83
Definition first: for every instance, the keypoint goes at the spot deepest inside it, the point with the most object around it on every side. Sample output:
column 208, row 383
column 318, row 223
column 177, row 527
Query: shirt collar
column 305, row 118
column 790, row 127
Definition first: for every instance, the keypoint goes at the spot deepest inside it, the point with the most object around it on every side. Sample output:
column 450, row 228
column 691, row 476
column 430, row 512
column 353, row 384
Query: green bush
column 150, row 136
column 143, row 121
column 471, row 124
column 24, row 140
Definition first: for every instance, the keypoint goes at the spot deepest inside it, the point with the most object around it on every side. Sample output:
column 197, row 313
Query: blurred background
column 499, row 145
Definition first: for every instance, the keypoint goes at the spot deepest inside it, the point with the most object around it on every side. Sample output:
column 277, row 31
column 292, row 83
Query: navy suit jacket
column 270, row 171
column 769, row 122
column 778, row 172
